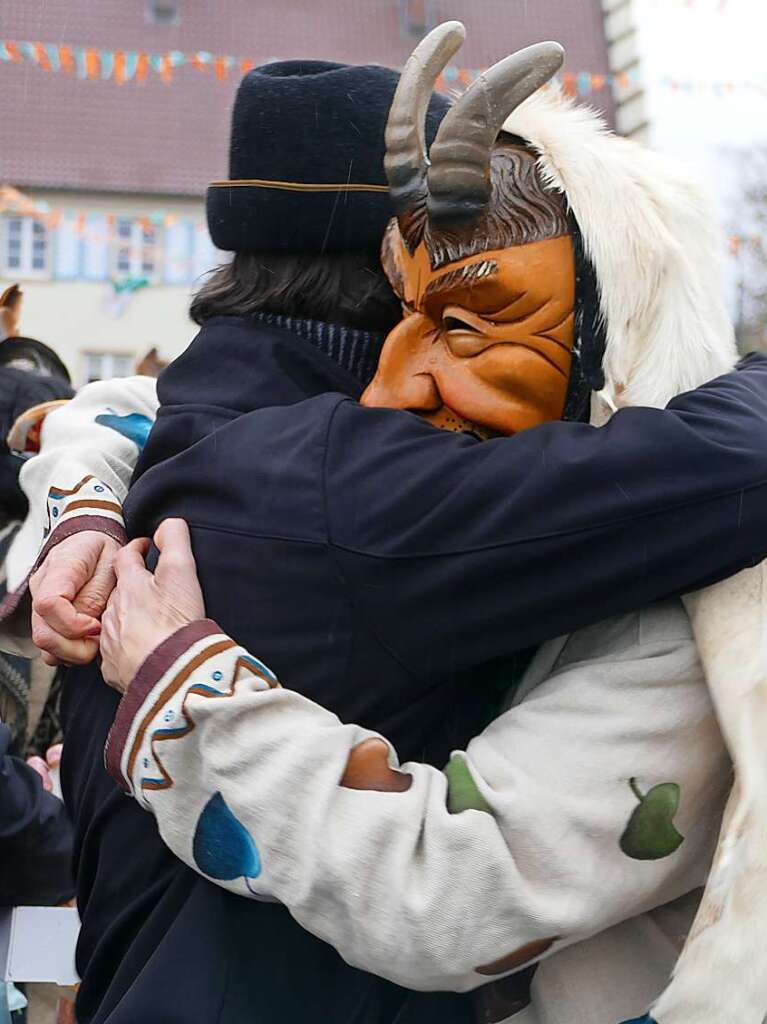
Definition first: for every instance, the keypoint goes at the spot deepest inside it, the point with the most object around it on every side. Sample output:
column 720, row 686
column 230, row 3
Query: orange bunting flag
column 568, row 81
column 622, row 79
column 80, row 223
column 42, row 57
column 92, row 62
column 119, row 67
column 597, row 81
column 221, row 68
column 142, row 67
column 13, row 52
column 166, row 69
column 66, row 59
column 246, row 66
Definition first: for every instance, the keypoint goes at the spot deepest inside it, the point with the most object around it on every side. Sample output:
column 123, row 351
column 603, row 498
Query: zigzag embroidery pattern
column 59, row 493
column 244, row 666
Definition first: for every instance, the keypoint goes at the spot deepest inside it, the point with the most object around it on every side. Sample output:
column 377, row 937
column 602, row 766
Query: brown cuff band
column 152, row 670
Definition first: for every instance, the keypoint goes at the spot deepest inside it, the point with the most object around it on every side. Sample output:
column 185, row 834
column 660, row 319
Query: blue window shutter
column 178, row 252
column 96, row 247
column 67, row 248
column 206, row 256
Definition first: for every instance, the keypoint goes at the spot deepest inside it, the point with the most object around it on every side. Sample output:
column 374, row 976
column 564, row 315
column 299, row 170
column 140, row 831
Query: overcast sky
column 706, row 41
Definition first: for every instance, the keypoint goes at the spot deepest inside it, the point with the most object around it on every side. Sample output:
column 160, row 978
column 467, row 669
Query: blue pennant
column 223, row 848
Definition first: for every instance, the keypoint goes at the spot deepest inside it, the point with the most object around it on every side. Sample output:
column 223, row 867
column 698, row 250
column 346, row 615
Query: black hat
column 306, row 159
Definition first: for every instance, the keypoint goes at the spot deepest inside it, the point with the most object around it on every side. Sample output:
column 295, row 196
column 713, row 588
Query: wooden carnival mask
column 480, row 255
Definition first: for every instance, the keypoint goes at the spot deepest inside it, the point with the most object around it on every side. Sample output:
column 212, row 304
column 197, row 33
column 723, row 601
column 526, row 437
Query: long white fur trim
column 652, row 237
column 653, row 240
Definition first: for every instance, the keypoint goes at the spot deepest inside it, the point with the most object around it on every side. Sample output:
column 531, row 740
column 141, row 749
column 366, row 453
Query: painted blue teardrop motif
column 135, row 426
column 223, row 848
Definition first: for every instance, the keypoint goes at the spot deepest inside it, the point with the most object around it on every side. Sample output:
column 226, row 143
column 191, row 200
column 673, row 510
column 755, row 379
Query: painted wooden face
column 486, row 342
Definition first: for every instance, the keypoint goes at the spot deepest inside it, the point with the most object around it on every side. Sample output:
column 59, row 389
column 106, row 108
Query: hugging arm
column 435, row 880
column 486, row 548
column 76, row 484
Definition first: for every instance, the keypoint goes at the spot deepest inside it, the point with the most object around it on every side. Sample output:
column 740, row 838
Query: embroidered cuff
column 89, row 505
column 159, row 676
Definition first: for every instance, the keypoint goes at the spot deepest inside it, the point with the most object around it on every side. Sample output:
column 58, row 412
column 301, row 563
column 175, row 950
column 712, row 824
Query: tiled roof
column 61, row 132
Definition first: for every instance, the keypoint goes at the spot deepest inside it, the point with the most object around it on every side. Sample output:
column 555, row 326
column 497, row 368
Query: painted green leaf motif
column 650, row 833
column 462, row 791
column 223, row 848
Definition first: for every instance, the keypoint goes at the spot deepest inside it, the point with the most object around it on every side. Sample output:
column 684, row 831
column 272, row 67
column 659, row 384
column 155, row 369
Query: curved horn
column 405, row 161
column 459, row 176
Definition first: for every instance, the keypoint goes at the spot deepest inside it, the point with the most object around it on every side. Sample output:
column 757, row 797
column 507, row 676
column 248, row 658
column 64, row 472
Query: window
column 105, row 365
column 162, row 12
column 26, row 248
column 135, row 249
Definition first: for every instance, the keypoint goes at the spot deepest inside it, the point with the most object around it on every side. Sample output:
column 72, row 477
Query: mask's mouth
column 447, row 419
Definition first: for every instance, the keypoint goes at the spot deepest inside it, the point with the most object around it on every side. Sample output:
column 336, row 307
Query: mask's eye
column 452, row 322
column 407, row 310
column 466, row 334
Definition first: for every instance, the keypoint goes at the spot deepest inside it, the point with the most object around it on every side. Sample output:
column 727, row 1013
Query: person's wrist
column 139, row 650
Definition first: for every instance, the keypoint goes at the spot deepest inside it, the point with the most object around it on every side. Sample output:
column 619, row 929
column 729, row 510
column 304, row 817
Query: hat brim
column 296, row 217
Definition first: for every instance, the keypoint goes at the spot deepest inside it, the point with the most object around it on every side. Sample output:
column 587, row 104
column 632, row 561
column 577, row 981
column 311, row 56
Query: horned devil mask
column 481, row 253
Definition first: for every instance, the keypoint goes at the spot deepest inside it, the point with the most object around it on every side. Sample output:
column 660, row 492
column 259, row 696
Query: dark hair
column 522, row 209
column 347, row 288
column 33, row 356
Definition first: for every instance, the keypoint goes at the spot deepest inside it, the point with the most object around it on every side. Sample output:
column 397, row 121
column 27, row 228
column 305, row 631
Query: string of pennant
column 123, row 66
column 745, row 243
column 14, row 201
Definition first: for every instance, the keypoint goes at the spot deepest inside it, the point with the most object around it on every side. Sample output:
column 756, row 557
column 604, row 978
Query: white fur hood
column 652, row 237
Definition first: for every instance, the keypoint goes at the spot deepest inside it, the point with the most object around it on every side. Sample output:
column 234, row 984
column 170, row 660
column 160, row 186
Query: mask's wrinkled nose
column 403, row 379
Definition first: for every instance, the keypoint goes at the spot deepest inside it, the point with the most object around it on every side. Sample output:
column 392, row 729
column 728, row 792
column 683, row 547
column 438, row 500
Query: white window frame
column 110, row 364
column 25, row 271
column 138, row 249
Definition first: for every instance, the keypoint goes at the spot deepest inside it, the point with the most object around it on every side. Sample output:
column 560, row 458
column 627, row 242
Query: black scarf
column 355, row 350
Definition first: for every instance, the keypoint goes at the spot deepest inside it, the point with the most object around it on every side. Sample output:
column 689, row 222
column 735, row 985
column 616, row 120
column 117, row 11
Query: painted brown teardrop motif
column 368, row 768
column 518, row 958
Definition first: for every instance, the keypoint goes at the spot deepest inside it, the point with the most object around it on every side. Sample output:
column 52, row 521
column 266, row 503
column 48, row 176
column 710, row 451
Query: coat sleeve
column 78, row 481
column 35, row 836
column 486, row 548
column 435, row 880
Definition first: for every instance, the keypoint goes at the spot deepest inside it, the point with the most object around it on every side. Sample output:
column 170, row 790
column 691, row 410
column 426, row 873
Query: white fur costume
column 667, row 332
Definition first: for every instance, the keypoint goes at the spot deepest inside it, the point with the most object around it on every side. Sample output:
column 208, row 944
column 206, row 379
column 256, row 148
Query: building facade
column 118, row 116
column 624, row 53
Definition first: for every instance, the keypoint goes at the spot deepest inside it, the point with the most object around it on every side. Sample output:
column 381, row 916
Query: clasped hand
column 90, row 596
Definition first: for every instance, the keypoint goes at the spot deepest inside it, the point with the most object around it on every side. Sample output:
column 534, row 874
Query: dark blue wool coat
column 378, row 566
column 35, row 836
